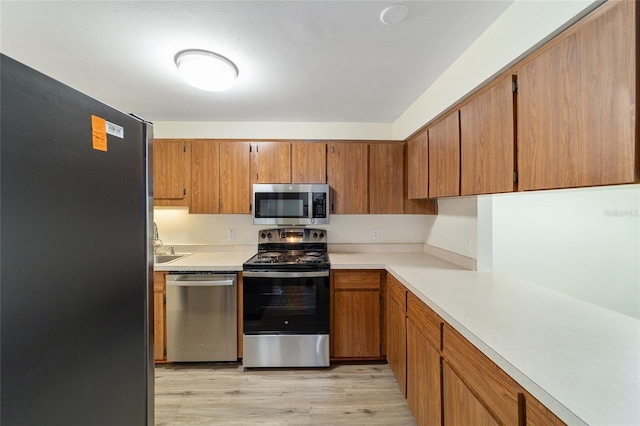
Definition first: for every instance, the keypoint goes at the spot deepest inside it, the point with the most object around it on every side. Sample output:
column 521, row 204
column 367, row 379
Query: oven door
column 285, row 302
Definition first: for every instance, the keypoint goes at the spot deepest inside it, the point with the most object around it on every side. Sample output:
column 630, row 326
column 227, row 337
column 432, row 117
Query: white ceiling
column 299, row 61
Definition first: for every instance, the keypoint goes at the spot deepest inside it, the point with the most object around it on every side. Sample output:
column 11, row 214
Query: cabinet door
column 235, row 186
column 461, row 407
column 418, row 166
column 423, row 378
column 385, row 178
column 159, row 317
column 205, row 177
column 271, row 162
column 418, row 205
column 487, row 141
column 498, row 392
column 170, row 172
column 348, row 174
column 356, row 331
column 397, row 342
column 308, row 162
column 444, row 157
column 355, row 314
column 577, row 105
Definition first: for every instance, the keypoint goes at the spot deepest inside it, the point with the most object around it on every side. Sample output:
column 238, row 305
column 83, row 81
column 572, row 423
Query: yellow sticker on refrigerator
column 99, row 133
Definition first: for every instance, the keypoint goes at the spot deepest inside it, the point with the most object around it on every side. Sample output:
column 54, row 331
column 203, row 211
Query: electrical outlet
column 376, row 234
column 232, row 233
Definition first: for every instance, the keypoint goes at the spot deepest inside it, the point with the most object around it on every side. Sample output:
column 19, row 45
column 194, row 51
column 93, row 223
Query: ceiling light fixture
column 206, row 70
column 394, row 14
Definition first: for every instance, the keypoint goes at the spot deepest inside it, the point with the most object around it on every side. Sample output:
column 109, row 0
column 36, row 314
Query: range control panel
column 292, row 235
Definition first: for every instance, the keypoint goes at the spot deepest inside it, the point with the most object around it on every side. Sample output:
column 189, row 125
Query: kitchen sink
column 166, row 258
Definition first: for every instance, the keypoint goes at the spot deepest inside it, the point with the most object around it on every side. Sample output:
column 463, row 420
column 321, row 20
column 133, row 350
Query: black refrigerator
column 76, row 259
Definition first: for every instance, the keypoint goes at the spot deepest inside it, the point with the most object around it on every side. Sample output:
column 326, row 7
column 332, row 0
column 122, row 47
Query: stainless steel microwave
column 290, row 204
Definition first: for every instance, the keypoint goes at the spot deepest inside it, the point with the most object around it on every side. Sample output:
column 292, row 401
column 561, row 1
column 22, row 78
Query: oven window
column 281, row 205
column 293, row 298
column 286, row 305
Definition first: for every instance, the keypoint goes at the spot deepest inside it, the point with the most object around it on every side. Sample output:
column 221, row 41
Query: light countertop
column 580, row 360
column 207, row 261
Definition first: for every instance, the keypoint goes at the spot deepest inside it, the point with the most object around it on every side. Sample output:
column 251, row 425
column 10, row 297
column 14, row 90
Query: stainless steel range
column 286, row 300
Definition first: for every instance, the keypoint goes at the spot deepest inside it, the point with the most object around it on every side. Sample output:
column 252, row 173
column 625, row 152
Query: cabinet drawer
column 159, row 281
column 397, row 291
column 356, row 280
column 492, row 386
column 427, row 321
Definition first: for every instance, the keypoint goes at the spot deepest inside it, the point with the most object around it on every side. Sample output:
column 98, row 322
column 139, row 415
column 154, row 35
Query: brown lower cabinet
column 396, row 309
column 462, row 406
column 356, row 314
column 448, row 380
column 159, row 317
column 423, row 381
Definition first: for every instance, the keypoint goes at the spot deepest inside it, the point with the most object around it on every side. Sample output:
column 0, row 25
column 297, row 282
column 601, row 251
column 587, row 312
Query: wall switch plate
column 232, row 233
column 376, row 234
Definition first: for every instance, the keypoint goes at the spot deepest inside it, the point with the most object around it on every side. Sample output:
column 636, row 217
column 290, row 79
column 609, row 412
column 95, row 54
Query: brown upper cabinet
column 348, row 171
column 205, row 176
column 308, row 162
column 215, row 176
column 386, row 178
column 171, row 172
column 444, row 157
column 235, row 184
column 270, row 162
column 577, row 104
column 418, row 166
column 487, row 144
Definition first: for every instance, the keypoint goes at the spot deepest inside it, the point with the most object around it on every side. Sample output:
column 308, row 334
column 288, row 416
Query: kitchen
column 495, row 232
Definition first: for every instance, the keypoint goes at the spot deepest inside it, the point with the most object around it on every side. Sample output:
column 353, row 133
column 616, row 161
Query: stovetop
column 290, row 248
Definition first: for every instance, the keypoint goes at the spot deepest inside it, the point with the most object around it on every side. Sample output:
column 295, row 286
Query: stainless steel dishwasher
column 201, row 316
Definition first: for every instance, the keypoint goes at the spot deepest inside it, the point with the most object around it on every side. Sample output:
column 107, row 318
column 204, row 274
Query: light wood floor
column 210, row 394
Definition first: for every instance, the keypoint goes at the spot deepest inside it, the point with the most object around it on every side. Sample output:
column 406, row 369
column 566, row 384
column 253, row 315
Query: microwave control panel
column 319, row 205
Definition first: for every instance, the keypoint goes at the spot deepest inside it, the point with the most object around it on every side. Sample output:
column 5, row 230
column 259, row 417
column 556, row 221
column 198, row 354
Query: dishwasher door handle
column 203, row 283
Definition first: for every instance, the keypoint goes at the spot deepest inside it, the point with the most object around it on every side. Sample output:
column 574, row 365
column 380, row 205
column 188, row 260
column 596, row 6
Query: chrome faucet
column 157, row 242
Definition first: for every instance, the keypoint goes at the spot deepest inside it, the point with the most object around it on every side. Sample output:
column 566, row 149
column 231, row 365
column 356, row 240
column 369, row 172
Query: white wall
column 455, row 227
column 177, row 227
column 269, row 130
column 523, row 26
column 582, row 242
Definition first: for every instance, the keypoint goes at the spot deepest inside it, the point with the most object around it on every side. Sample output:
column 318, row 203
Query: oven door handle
column 282, row 274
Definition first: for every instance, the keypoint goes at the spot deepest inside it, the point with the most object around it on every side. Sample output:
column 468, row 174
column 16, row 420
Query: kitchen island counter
column 580, row 360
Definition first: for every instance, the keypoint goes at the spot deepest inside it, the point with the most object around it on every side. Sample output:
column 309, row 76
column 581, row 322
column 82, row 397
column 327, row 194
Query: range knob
column 315, row 235
column 322, row 235
column 263, row 235
column 268, row 234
